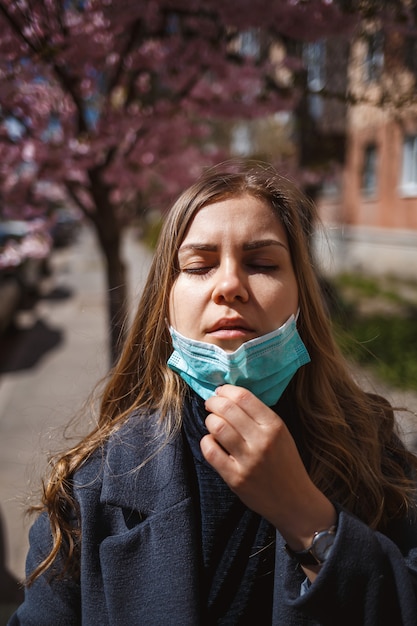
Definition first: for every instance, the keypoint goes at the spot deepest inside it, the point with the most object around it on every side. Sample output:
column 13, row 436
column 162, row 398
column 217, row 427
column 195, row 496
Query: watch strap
column 308, row 556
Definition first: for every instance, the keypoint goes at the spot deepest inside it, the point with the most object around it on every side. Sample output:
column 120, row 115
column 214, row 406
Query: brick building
column 372, row 215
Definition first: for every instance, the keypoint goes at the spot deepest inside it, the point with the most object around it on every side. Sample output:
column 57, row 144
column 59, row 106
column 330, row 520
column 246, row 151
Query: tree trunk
column 110, row 235
column 116, row 294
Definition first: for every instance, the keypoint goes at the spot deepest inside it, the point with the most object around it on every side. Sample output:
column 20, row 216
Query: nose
column 230, row 284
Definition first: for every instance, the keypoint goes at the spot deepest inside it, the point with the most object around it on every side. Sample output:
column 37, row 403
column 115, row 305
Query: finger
column 228, row 411
column 227, row 435
column 224, row 463
column 246, row 401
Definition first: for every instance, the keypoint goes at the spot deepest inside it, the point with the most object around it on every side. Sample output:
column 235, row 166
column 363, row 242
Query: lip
column 231, row 325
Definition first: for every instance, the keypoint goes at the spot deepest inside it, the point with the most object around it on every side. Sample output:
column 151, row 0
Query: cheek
column 279, row 302
column 186, row 308
column 179, row 306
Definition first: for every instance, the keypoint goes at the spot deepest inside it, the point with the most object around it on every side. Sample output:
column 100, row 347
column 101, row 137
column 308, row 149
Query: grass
column 376, row 325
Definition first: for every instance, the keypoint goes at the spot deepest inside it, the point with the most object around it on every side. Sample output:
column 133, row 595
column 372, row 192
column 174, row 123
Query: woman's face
column 236, row 280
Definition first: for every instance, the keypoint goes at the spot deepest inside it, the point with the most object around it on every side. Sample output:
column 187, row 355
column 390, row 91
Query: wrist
column 303, row 528
column 318, row 551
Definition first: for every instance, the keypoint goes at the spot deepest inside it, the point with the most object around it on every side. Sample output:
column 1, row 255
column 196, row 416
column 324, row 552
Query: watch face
column 323, row 544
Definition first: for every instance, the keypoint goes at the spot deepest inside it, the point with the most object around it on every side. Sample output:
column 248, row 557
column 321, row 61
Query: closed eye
column 197, row 270
column 262, row 264
column 264, row 267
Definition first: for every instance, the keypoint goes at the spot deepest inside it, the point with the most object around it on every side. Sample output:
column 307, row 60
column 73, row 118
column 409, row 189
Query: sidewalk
column 404, row 401
column 47, row 371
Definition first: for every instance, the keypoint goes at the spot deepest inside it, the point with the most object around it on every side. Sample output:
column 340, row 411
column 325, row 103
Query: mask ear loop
column 169, row 326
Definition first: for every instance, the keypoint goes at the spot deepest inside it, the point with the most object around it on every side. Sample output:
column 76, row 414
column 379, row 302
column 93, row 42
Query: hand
column 253, row 451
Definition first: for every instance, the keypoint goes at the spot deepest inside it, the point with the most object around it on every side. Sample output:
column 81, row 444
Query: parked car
column 10, row 298
column 24, row 252
column 65, row 226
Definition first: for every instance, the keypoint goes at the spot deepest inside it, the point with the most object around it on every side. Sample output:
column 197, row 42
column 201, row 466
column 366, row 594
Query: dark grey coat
column 139, row 555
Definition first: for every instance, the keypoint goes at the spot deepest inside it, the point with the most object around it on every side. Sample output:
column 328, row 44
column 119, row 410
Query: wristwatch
column 318, row 552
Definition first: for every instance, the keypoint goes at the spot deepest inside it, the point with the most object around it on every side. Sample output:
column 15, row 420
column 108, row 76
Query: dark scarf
column 238, row 546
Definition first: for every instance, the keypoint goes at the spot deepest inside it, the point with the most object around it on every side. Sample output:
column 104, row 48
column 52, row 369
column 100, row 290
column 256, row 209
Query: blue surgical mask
column 264, row 365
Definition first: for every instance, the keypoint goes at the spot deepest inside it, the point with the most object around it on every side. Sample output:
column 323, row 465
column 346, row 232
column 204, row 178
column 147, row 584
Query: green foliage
column 376, row 325
column 367, row 287
column 387, row 345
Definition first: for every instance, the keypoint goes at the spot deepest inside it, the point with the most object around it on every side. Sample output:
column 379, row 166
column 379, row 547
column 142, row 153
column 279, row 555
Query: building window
column 314, row 57
column 241, row 140
column 369, row 178
column 374, row 60
column 409, row 166
column 249, row 43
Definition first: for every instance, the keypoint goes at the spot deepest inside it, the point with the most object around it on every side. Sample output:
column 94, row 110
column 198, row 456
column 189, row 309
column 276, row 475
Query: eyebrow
column 263, row 243
column 250, row 245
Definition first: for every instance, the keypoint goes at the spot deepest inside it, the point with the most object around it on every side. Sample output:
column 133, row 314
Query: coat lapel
column 149, row 556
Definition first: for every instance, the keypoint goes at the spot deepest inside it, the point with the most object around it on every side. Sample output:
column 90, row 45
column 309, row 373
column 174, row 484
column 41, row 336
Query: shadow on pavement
column 11, row 592
column 22, row 349
column 58, row 293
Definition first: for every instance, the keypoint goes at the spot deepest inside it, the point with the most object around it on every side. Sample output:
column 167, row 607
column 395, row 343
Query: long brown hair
column 356, row 457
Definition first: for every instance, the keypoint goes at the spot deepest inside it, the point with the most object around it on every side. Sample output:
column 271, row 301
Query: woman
column 237, row 474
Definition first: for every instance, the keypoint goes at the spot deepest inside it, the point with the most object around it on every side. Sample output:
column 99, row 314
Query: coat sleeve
column 369, row 579
column 49, row 600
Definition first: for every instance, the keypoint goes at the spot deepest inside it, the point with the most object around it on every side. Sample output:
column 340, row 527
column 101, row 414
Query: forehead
column 243, row 216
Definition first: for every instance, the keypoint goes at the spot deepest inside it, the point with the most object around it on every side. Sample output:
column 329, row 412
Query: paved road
column 47, row 370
